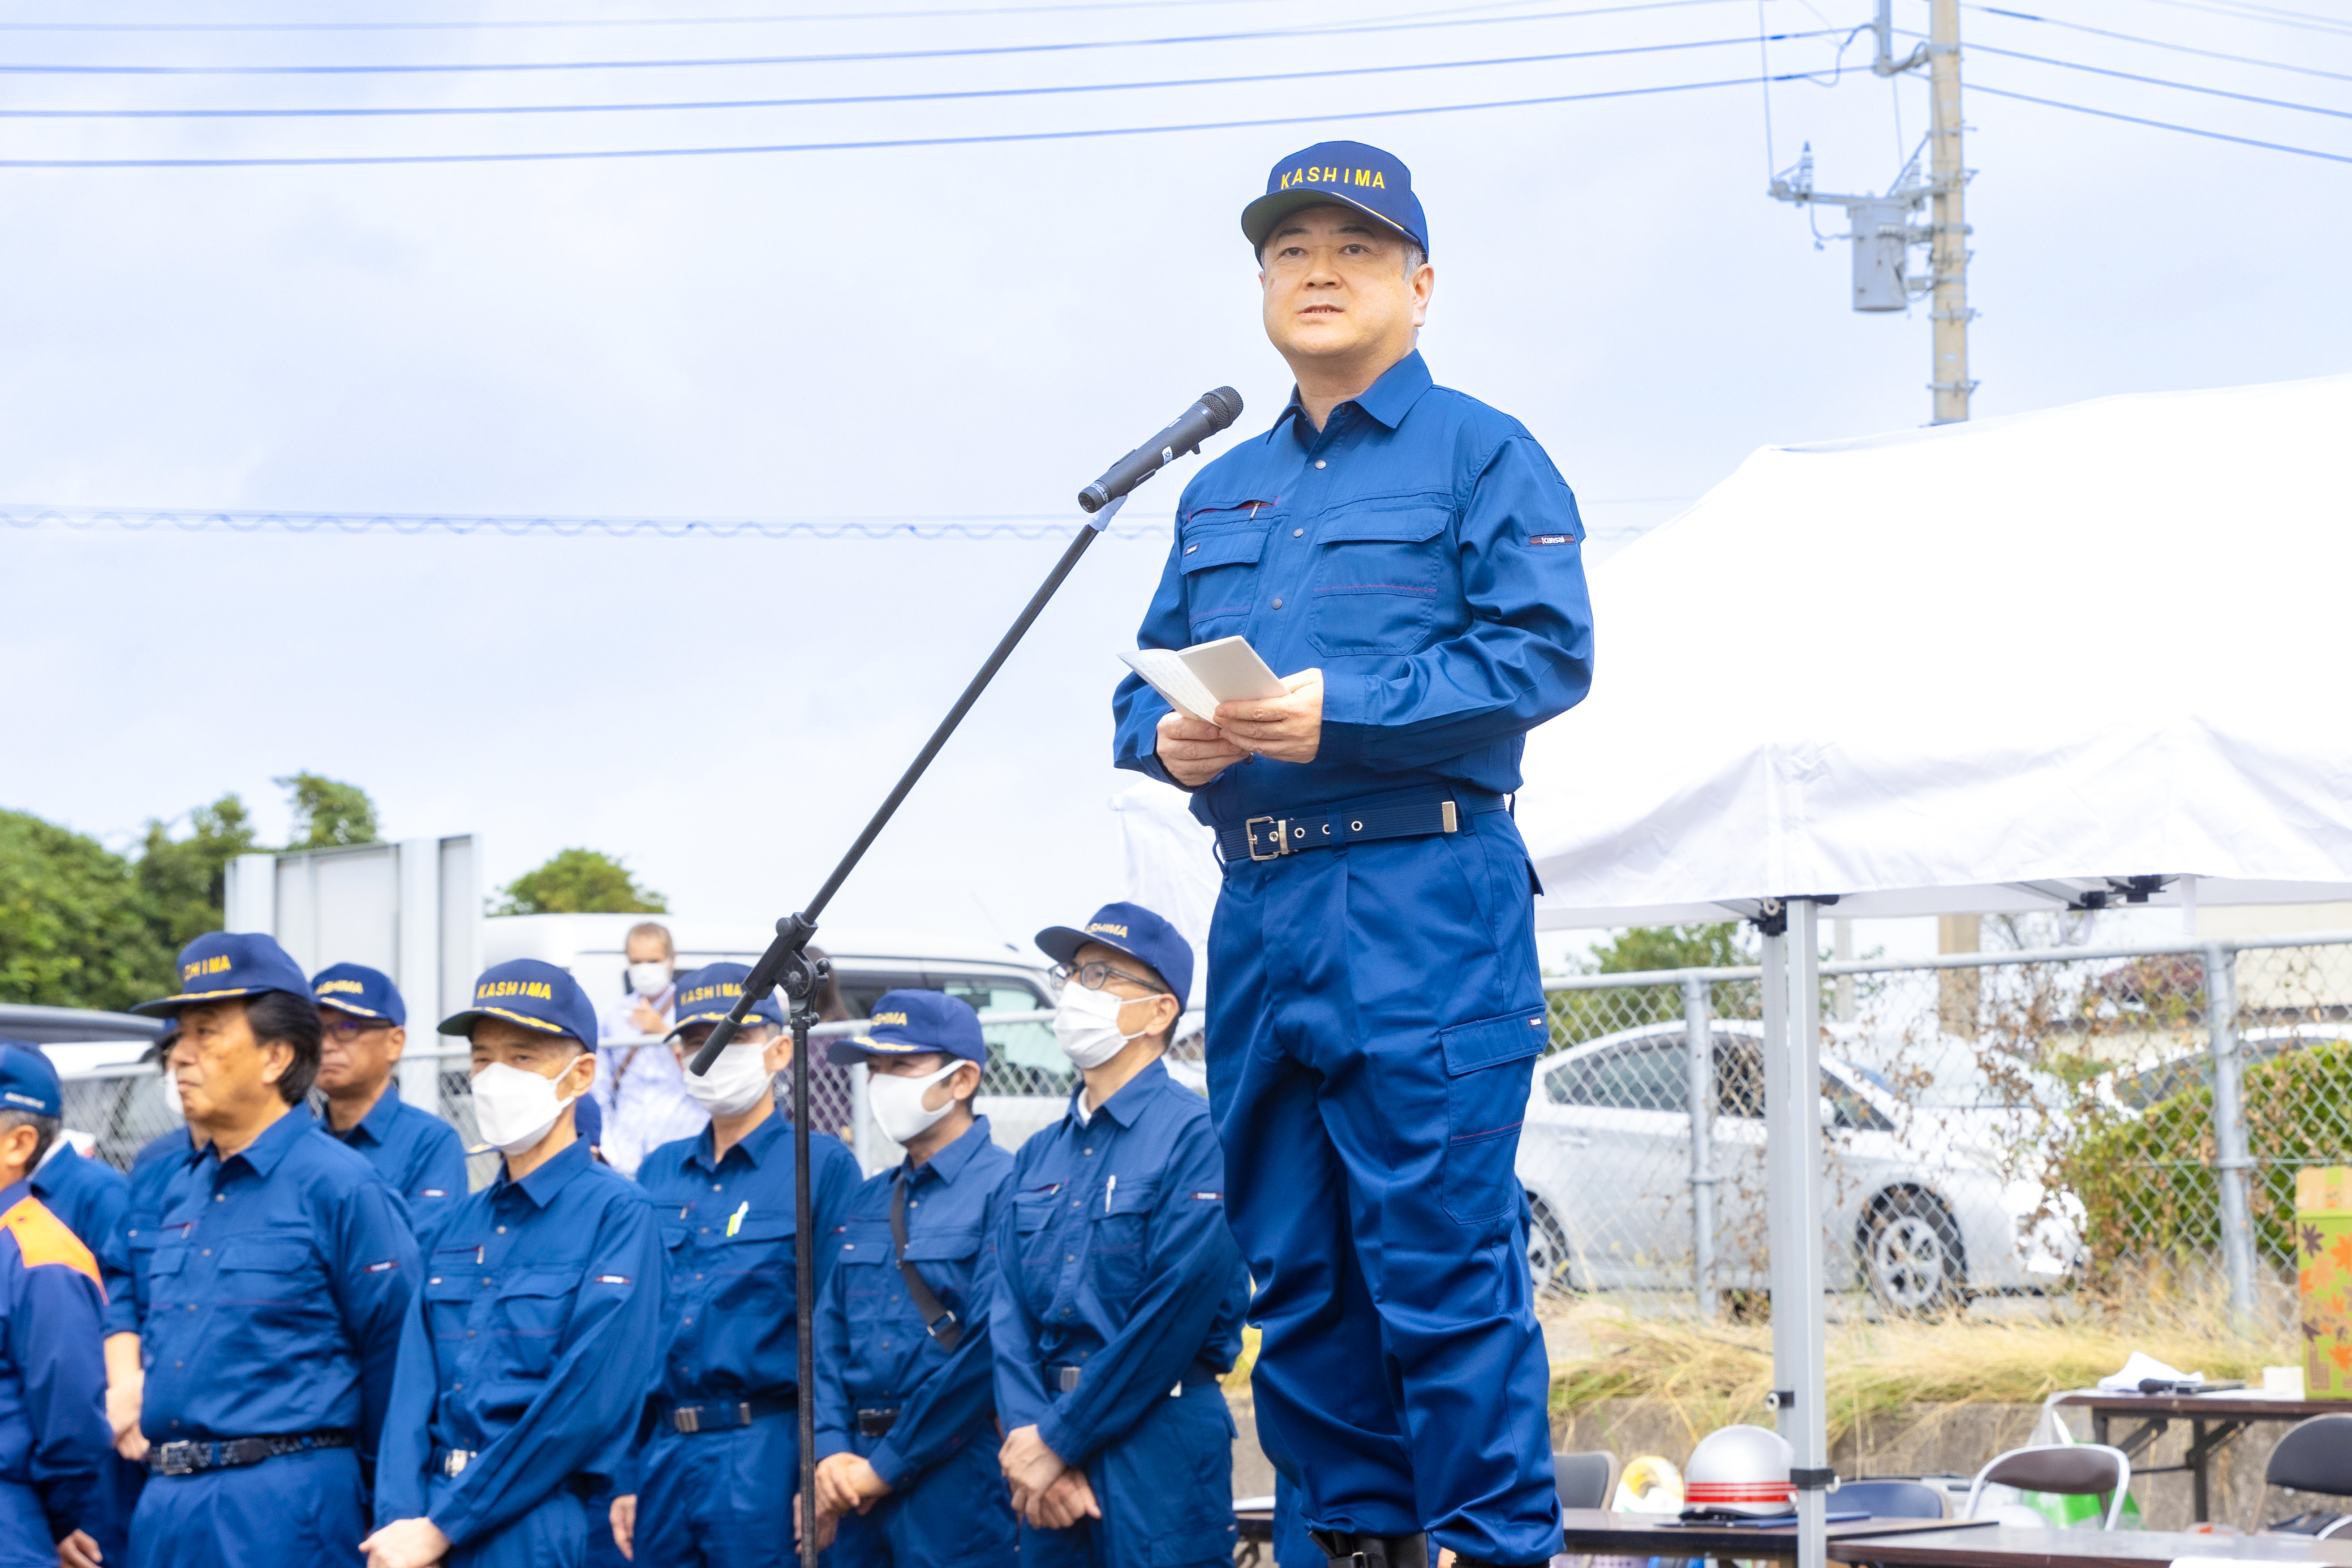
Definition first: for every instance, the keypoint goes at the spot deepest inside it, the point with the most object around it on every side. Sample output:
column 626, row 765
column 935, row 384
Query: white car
column 114, row 1095
column 1914, row 1186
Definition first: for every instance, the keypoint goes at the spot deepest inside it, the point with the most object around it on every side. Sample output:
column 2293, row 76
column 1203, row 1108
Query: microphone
column 1214, row 411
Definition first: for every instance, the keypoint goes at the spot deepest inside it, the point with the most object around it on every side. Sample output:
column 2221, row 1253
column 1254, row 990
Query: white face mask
column 515, row 1107
column 898, row 1103
column 1086, row 1023
column 735, row 1081
column 648, row 979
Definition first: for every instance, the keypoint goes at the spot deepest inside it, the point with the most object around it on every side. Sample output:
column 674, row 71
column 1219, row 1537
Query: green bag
column 2066, row 1511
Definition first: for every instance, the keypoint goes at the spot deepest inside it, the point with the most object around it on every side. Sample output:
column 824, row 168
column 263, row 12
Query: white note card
column 1195, row 679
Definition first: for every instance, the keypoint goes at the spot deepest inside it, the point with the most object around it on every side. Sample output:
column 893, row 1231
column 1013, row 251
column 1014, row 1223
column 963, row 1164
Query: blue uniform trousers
column 956, row 1513
column 720, row 1500
column 1166, row 1491
column 292, row 1511
column 603, row 1551
column 1374, row 1013
column 24, row 1529
column 553, row 1534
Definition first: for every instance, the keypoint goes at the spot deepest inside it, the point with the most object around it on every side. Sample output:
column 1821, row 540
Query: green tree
column 1579, row 1015
column 1673, row 947
column 73, row 927
column 182, row 881
column 577, row 882
column 328, row 813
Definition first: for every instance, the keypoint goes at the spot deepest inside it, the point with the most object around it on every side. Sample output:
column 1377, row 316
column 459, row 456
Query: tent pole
column 1792, row 1108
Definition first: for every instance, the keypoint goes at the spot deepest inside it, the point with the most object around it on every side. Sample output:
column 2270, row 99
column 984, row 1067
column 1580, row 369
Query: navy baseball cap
column 906, row 1023
column 709, row 994
column 361, row 992
column 29, row 1081
column 1347, row 172
column 1131, row 929
column 588, row 1121
column 226, row 963
column 536, row 995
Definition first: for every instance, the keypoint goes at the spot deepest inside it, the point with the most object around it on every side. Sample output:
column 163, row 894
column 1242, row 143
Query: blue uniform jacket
column 123, row 1257
column 53, row 1436
column 530, row 1345
column 89, row 1196
column 1422, row 552
column 418, row 1155
column 1113, row 1256
column 276, row 1292
column 873, row 1349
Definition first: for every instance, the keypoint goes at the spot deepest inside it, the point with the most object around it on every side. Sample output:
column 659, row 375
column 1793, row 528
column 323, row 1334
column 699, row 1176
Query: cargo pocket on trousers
column 1489, row 1066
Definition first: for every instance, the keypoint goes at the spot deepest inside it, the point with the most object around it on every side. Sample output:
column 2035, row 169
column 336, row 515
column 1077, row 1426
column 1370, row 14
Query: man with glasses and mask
column 526, row 1358
column 1119, row 1293
column 363, row 1033
column 725, row 1404
column 905, row 1398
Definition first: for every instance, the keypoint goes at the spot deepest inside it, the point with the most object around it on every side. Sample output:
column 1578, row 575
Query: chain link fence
column 2122, row 1125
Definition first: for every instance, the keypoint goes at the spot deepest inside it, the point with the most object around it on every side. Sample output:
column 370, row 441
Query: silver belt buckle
column 175, row 1459
column 687, row 1417
column 456, row 1463
column 1281, row 836
column 1068, row 1376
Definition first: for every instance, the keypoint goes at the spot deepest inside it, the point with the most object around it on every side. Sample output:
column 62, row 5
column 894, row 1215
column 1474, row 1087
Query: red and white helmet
column 1740, row 1469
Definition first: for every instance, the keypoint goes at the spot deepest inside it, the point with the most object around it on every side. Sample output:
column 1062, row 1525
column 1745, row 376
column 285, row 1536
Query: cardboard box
column 2323, row 1232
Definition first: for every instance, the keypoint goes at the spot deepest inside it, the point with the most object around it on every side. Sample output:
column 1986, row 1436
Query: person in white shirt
column 639, row 1085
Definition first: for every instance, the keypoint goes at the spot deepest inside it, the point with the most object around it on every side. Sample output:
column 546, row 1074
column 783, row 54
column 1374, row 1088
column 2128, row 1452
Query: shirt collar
column 541, row 1186
column 950, row 1162
column 51, row 1170
column 14, row 1193
column 377, row 1123
column 264, row 1153
column 1387, row 399
column 753, row 1144
column 1128, row 1103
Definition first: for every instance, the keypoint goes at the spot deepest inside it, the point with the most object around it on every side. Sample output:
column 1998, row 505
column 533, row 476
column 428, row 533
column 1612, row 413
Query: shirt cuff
column 889, row 1463
column 1068, row 1444
column 830, row 1442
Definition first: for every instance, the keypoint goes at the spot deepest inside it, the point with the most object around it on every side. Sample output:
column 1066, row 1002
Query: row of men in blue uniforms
column 320, row 1346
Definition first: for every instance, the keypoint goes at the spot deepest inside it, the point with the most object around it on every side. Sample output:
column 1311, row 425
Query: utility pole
column 1948, row 178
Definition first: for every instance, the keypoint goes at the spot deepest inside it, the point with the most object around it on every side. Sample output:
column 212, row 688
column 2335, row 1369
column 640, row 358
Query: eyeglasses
column 350, row 1029
column 1093, row 975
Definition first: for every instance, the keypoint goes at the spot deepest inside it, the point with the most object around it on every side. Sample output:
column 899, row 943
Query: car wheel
column 1547, row 1248
column 1911, row 1254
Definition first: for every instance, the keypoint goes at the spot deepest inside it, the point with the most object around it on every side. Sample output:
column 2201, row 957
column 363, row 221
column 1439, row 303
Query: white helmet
column 1740, row 1469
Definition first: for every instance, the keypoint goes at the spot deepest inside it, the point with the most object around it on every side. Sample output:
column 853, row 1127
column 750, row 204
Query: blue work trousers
column 720, row 1500
column 24, row 1528
column 552, row 1533
column 292, row 1511
column 957, row 1514
column 1166, row 1491
column 1375, row 1014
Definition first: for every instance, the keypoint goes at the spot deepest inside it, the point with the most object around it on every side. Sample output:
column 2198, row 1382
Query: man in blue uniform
column 1119, row 1294
column 88, row 1194
column 726, row 1408
column 56, row 1464
column 362, row 1024
column 525, row 1356
column 123, row 1259
column 275, row 1294
column 905, row 1400
column 1410, row 558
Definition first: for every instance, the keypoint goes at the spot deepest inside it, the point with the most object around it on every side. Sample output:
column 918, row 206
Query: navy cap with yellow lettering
column 906, row 1023
column 1131, row 929
column 225, row 963
column 361, row 992
column 708, row 994
column 535, row 994
column 1347, row 172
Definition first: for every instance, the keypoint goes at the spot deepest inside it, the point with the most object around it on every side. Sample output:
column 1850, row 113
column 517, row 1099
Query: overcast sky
column 956, row 331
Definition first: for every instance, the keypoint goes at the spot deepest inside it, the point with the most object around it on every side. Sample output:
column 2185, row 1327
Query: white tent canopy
column 1982, row 667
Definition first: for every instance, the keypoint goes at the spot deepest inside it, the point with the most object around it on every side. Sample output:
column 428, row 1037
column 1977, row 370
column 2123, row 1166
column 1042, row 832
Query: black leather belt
column 876, row 1423
column 1354, row 822
column 188, row 1459
column 725, row 1415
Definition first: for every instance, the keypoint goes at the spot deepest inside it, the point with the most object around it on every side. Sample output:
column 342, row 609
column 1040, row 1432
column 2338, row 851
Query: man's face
column 559, row 1057
column 647, row 950
column 1336, row 287
column 956, row 1084
column 777, row 1053
column 1145, row 1006
column 356, row 1052
column 223, row 1073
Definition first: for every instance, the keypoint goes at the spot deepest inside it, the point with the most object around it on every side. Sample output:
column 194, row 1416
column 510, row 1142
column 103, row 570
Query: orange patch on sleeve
column 43, row 1237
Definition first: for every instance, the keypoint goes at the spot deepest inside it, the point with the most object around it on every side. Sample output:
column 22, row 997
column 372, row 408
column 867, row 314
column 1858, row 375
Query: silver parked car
column 1915, row 1198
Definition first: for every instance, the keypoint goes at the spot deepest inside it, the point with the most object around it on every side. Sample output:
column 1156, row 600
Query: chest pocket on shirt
column 1219, row 560
column 532, row 1306
column 268, row 1276
column 1380, row 576
column 944, row 1258
column 1115, row 1256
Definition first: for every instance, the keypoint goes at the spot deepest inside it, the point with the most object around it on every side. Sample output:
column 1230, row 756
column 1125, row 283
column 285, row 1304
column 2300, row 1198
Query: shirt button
column 218, row 1198
column 469, row 1334
column 1277, row 604
column 502, row 1230
column 1298, row 533
column 207, row 1252
column 716, row 1187
column 1318, row 462
column 178, row 1364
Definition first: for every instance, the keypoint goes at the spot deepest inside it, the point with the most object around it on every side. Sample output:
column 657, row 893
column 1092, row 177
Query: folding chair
column 2070, row 1469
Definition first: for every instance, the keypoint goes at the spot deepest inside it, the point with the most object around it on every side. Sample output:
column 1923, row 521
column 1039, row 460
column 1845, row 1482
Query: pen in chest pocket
column 735, row 1220
column 1111, row 1193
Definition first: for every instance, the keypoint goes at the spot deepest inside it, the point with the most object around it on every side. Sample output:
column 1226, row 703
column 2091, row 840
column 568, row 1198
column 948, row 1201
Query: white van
column 1028, row 1079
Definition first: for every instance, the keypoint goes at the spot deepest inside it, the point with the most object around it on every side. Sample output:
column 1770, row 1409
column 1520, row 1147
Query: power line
column 2162, row 124
column 868, row 56
column 2301, row 19
column 2150, row 80
column 2158, row 43
column 438, row 110
column 559, row 23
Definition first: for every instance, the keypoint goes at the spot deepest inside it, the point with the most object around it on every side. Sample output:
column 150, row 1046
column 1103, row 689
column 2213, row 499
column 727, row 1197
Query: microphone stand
column 787, row 963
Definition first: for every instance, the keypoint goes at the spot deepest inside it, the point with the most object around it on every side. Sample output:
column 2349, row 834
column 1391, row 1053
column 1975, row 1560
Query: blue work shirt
column 123, row 1257
column 874, row 1350
column 418, row 1155
column 1113, row 1256
column 530, row 1346
column 733, row 1272
column 53, row 1436
column 89, row 1196
column 276, row 1292
column 1422, row 552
